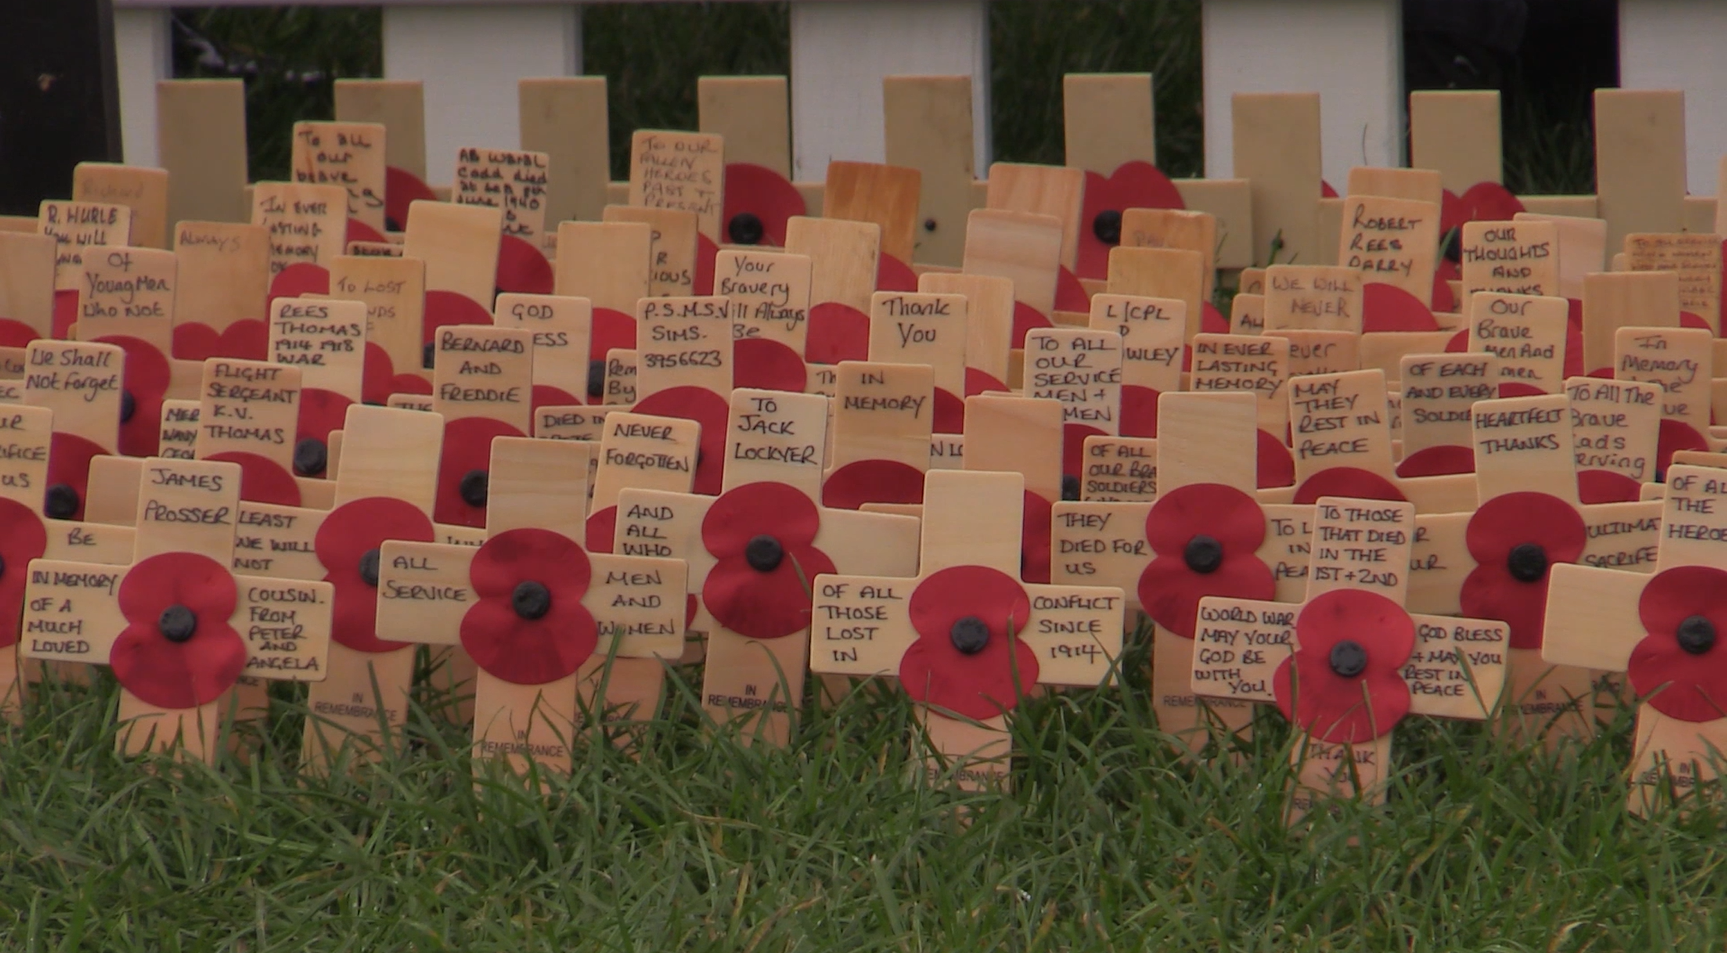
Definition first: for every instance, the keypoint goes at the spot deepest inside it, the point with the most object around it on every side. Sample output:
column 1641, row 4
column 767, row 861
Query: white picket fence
column 469, row 54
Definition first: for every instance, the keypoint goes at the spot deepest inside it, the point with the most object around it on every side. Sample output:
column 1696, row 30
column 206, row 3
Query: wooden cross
column 1696, row 259
column 177, row 626
column 754, row 550
column 1025, row 248
column 1350, row 662
column 327, row 342
column 541, row 617
column 143, row 190
column 308, row 227
column 459, row 244
column 768, row 302
column 1680, row 360
column 1152, row 331
column 221, row 300
column 1258, row 364
column 515, row 183
column 844, row 259
column 882, row 421
column 752, row 115
column 566, row 118
column 83, row 385
column 914, row 108
column 351, row 155
column 966, row 638
column 1081, row 370
column 400, row 107
column 1438, row 391
column 1022, row 435
column 482, row 387
column 1527, row 333
column 607, row 263
column 1614, row 300
column 1276, row 148
column 1662, row 631
column 686, row 371
column 27, row 291
column 884, row 194
column 562, row 333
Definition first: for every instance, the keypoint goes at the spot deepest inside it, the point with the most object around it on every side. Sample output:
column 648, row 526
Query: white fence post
column 1676, row 44
column 470, row 57
column 143, row 53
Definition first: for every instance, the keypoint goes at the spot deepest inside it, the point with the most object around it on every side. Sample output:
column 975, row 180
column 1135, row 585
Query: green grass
column 1109, row 841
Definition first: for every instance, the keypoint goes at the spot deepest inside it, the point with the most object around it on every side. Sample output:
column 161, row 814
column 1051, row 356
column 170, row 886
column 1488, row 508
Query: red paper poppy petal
column 530, row 651
column 197, row 582
column 195, row 342
column 507, row 559
column 1027, row 318
column 354, row 616
column 401, row 190
column 891, row 274
column 447, row 308
column 600, row 530
column 1458, row 343
column 1073, row 447
column 754, row 509
column 1438, row 461
column 545, row 395
column 1351, row 482
column 467, row 447
column 763, row 193
column 1512, row 519
column 1606, row 486
column 1389, row 308
column 765, row 605
column 321, row 411
column 1211, row 320
column 968, row 686
column 22, row 538
column 1518, row 389
column 300, row 278
column 1676, row 435
column 410, row 384
column 16, row 333
column 360, row 526
column 1335, row 709
column 1676, row 594
column 1491, row 592
column 872, row 481
column 1689, row 319
column 145, row 377
column 522, row 268
column 1675, row 682
column 359, row 231
column 245, row 340
column 1491, row 202
column 1070, row 295
column 179, row 675
column 376, row 375
column 612, row 329
column 1034, row 552
column 949, row 595
column 949, row 413
column 764, row 364
column 704, row 407
column 838, row 332
column 1379, row 624
column 979, row 382
column 262, row 480
column 1224, row 513
column 1276, row 462
column 69, row 457
column 1138, row 410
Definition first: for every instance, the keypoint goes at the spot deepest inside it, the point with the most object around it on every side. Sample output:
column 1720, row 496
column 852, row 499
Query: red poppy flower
column 1514, row 539
column 246, row 340
column 1070, row 295
column 1481, row 202
column 300, row 278
column 1135, row 184
column 600, row 529
column 321, row 412
column 1675, row 435
column 1026, row 318
column 144, row 384
column 1684, row 611
column 1389, row 308
column 22, row 538
column 1073, row 448
column 401, row 190
column 872, row 481
column 1438, row 461
column 65, row 313
column 347, row 546
column 981, row 382
column 529, row 626
column 838, row 332
column 767, row 365
column 1206, row 537
column 1690, row 319
column 1275, row 464
column 763, row 536
column 1034, row 536
column 612, row 330
column 968, row 657
column 262, row 480
column 464, row 469
column 445, row 308
column 758, row 202
column 16, row 333
column 1352, row 482
column 1342, row 683
column 706, row 408
column 1139, row 410
column 1211, row 320
column 178, row 649
column 522, row 268
column 545, row 395
column 379, row 378
column 69, row 457
column 891, row 274
column 1607, row 486
column 947, row 413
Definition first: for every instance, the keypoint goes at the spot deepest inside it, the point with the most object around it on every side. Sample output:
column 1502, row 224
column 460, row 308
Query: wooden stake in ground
column 1349, row 663
column 1663, row 632
column 754, row 551
column 966, row 638
column 177, row 626
column 539, row 615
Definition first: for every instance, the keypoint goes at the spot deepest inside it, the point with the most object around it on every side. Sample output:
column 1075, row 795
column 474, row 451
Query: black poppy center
column 177, row 623
column 1527, row 562
column 597, row 378
column 1069, row 487
column 1348, row 658
column 969, row 635
column 1107, row 226
column 60, row 502
column 531, row 600
column 128, row 406
column 1203, row 554
column 764, row 553
column 311, row 457
column 369, row 568
column 1696, row 635
column 473, row 487
column 745, row 228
